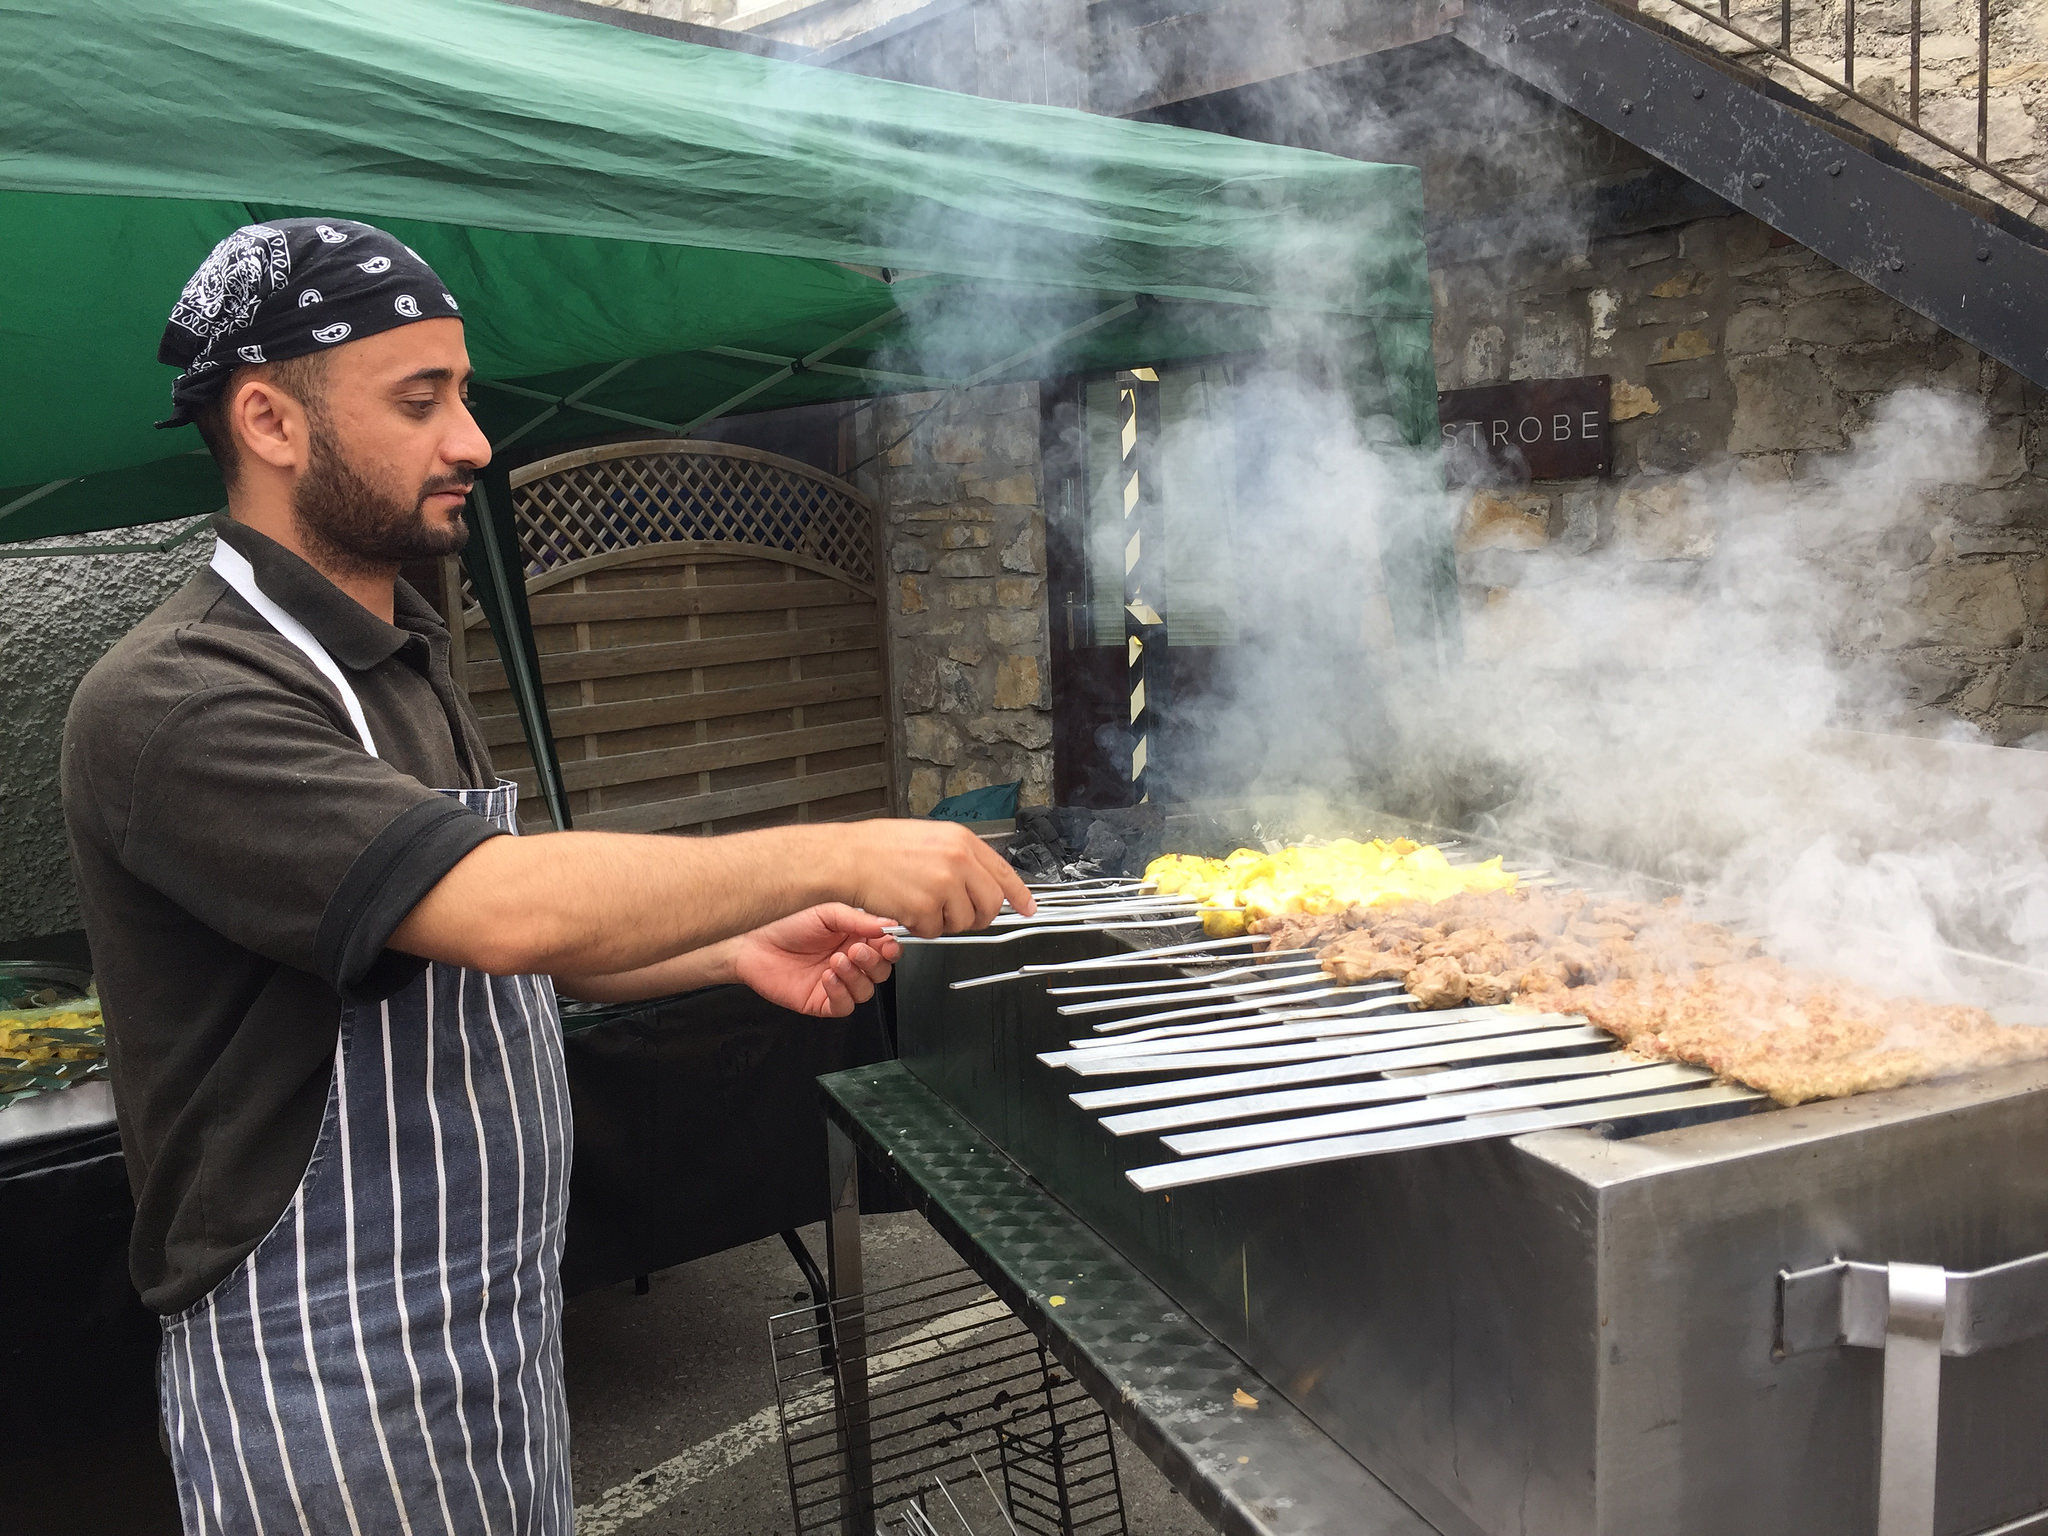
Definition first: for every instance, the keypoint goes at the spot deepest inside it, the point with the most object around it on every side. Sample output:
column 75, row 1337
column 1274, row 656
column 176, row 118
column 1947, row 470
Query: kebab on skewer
column 1669, row 987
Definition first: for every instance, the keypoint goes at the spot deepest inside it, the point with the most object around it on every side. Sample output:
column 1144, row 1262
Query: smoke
column 1720, row 683
column 1716, row 697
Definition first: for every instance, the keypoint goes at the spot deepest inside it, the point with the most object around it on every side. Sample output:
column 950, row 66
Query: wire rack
column 930, row 1409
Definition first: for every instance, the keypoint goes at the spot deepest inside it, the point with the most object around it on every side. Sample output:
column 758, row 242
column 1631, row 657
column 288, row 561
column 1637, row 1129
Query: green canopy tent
column 643, row 233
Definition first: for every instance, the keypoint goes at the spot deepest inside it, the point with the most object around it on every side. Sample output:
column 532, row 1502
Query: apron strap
column 234, row 569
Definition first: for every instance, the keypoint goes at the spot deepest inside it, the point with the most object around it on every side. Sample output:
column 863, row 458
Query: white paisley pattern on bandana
column 244, row 269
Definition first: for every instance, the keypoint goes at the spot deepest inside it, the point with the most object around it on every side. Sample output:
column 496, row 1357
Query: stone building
column 1737, row 356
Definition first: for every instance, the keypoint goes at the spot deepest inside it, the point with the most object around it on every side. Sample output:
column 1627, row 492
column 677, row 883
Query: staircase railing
column 1922, row 73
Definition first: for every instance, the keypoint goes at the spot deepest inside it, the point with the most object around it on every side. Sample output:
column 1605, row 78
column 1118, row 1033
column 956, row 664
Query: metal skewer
column 1215, row 983
column 1258, row 1020
column 1369, row 1058
column 1238, row 1034
column 1200, row 979
column 1168, row 954
column 1092, row 883
column 1009, row 935
column 1106, row 896
column 1331, row 1019
column 1085, row 913
column 1234, row 1004
column 1616, row 1082
column 1009, row 1524
column 1327, row 1096
column 1203, row 1170
column 1104, row 1064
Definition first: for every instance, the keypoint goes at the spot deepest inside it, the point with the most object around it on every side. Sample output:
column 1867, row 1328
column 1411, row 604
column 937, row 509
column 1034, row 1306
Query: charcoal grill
column 1600, row 1298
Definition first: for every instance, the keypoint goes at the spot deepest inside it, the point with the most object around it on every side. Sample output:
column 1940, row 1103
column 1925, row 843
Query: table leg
column 850, row 1375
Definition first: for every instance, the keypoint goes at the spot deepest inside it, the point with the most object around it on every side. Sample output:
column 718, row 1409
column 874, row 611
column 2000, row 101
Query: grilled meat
column 1437, row 983
column 1672, row 989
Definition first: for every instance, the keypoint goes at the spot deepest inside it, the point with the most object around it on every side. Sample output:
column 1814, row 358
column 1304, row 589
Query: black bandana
column 286, row 289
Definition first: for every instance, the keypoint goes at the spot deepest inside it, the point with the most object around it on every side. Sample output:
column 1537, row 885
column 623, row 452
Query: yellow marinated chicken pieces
column 1304, row 880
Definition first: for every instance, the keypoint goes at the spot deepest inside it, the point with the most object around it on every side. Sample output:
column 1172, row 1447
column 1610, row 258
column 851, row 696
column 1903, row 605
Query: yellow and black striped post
column 1137, row 411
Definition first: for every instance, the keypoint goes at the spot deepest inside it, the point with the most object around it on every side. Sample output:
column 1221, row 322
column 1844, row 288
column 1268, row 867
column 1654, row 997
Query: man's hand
column 933, row 877
column 822, row 961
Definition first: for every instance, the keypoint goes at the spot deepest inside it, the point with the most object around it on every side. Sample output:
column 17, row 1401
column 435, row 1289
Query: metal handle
column 1915, row 1316
column 1848, row 1303
column 1916, row 1313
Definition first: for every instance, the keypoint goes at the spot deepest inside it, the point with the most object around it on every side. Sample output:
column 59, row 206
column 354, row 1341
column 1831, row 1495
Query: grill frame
column 1559, row 1331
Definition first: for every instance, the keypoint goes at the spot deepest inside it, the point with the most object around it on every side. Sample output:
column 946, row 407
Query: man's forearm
column 592, row 904
column 595, row 903
column 711, row 966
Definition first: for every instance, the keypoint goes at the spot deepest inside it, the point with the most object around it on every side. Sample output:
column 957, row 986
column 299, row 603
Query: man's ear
column 269, row 425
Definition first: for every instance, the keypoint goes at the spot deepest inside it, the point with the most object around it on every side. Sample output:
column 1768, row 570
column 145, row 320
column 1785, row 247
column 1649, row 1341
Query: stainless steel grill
column 1532, row 1284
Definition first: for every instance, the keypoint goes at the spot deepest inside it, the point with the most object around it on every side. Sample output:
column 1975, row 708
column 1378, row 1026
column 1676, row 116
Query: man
column 329, row 978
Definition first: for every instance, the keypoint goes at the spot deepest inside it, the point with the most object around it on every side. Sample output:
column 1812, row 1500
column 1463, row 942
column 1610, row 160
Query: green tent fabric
column 643, row 234
column 598, row 197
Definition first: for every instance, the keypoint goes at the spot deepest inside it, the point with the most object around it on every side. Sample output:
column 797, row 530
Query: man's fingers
column 852, row 920
column 1008, row 881
column 838, row 1001
column 870, row 963
column 960, row 912
column 986, row 895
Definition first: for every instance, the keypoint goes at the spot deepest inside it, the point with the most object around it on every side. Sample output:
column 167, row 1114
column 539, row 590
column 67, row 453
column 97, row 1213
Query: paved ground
column 671, row 1395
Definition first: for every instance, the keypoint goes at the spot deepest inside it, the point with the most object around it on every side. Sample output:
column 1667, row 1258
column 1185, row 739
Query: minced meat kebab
column 1671, row 988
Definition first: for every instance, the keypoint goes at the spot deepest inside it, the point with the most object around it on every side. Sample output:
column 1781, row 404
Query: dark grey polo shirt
column 241, row 863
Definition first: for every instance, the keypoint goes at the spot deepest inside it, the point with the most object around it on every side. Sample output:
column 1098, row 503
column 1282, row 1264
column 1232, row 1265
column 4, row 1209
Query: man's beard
column 356, row 527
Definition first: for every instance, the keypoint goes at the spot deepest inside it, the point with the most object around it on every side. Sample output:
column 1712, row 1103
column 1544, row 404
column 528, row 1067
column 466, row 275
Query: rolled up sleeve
column 251, row 811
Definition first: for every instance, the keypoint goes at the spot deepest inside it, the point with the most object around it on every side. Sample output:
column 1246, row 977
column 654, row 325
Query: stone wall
column 1736, row 352
column 957, row 477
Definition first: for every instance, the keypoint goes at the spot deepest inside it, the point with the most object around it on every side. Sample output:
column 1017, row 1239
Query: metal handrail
column 1845, row 81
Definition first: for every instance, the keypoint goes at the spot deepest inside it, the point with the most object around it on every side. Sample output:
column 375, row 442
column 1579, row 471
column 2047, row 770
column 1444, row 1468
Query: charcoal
column 1037, row 824
column 1034, row 860
column 1071, row 843
column 1103, row 849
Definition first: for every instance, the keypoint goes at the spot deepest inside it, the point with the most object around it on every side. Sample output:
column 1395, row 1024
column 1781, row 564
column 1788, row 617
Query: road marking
column 647, row 1493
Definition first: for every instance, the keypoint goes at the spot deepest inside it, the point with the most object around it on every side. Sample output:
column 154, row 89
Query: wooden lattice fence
column 711, row 641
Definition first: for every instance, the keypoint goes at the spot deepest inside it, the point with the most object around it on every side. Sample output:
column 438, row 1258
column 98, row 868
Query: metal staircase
column 1708, row 101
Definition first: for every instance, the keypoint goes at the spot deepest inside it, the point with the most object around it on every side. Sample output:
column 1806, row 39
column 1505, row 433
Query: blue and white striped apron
column 388, row 1358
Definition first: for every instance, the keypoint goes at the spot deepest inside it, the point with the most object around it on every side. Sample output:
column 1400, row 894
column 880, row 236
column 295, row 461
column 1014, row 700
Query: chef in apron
column 328, row 963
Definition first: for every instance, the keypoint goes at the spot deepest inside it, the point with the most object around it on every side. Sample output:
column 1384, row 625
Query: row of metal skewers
column 1244, row 1061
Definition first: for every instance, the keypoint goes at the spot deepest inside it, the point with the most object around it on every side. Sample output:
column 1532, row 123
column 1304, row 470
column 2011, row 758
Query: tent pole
column 787, row 370
column 1094, row 322
column 31, row 497
column 572, row 399
column 494, row 567
column 837, row 370
column 581, row 405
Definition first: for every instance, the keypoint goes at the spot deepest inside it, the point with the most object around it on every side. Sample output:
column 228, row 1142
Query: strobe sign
column 1539, row 429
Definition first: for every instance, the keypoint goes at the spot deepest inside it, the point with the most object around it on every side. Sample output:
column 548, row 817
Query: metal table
column 1261, row 1470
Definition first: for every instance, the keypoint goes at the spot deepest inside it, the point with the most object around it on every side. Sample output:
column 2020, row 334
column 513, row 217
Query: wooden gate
column 711, row 641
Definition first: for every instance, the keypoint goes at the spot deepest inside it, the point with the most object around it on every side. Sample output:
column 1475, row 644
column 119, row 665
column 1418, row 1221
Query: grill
column 1530, row 1283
